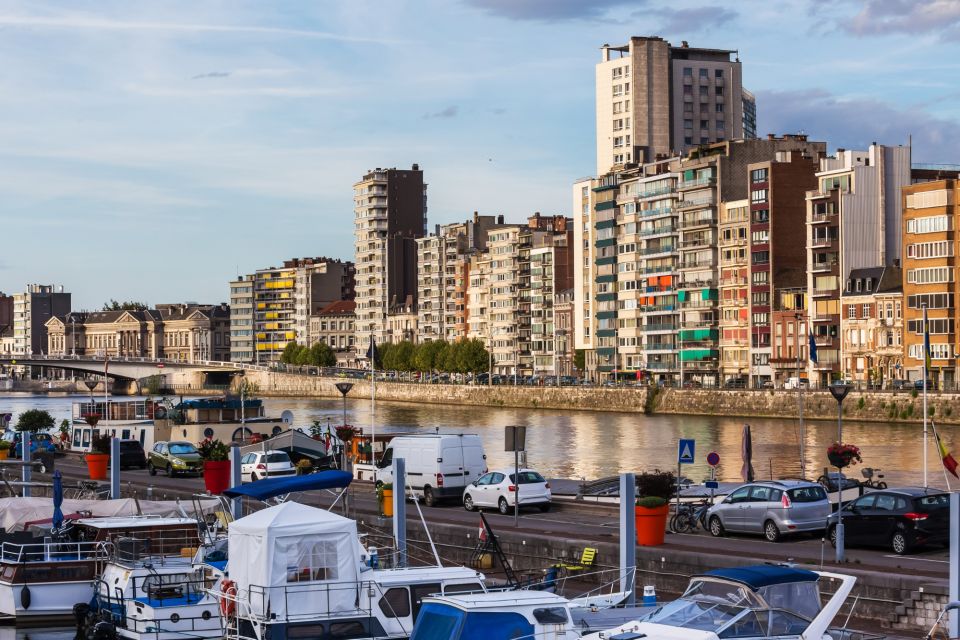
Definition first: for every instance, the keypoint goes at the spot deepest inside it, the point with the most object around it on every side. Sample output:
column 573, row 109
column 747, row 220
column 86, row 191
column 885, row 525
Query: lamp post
column 839, row 392
column 344, row 389
column 73, row 336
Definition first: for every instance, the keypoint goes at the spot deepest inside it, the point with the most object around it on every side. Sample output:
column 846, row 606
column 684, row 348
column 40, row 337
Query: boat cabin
column 494, row 616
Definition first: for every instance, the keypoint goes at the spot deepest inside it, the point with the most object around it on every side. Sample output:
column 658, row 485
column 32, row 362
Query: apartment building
column 6, row 313
column 733, row 233
column 274, row 305
column 546, row 268
column 790, row 341
column 654, row 99
column 479, row 325
column 778, row 257
column 503, row 299
column 585, row 269
column 443, row 263
column 390, row 213
column 32, row 309
column 930, row 217
column 872, row 325
column 854, row 221
column 563, row 303
column 334, row 326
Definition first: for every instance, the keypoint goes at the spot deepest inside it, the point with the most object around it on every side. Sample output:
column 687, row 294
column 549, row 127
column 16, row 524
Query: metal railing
column 54, row 551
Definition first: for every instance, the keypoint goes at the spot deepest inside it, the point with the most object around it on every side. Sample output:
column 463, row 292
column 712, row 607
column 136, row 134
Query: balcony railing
column 697, row 221
column 821, row 217
column 659, row 211
column 824, row 292
column 659, row 191
column 822, row 266
column 817, row 243
column 667, row 326
column 698, row 182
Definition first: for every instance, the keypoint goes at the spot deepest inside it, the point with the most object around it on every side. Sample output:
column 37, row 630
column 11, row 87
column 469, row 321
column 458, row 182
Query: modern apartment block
column 546, row 268
column 872, row 335
column 503, row 306
column 733, row 233
column 443, row 266
column 930, row 221
column 479, row 324
column 32, row 309
column 390, row 213
column 854, row 218
column 274, row 305
column 790, row 337
column 778, row 257
column 654, row 100
column 6, row 313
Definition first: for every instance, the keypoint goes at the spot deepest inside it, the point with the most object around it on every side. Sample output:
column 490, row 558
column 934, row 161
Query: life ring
column 227, row 603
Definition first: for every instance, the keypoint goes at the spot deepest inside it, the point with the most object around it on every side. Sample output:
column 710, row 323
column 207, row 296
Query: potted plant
column 91, row 419
column 216, row 465
column 385, row 499
column 843, row 455
column 64, row 433
column 346, row 432
column 99, row 457
column 651, row 509
column 304, row 466
column 4, row 449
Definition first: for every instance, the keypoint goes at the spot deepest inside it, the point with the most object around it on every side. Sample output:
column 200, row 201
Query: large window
column 316, row 560
column 929, row 224
column 920, row 250
column 931, row 300
column 938, row 326
column 930, row 275
column 835, row 182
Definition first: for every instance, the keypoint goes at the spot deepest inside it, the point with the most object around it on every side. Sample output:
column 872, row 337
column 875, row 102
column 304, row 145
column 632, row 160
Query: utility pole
column 801, row 437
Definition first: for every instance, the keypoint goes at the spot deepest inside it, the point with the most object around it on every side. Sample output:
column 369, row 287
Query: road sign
column 713, row 458
column 711, row 484
column 685, row 450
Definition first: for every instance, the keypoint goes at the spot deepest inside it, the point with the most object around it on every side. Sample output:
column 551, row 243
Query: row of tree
column 462, row 356
column 317, row 355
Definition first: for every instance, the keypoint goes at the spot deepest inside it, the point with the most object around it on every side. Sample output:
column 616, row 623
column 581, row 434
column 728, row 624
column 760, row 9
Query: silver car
column 773, row 508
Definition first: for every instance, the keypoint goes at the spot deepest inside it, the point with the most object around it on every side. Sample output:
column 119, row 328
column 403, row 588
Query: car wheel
column 832, row 536
column 468, row 503
column 169, row 471
column 428, row 498
column 503, row 506
column 770, row 531
column 151, row 469
column 545, row 507
column 899, row 542
column 253, row 477
column 716, row 527
column 42, row 468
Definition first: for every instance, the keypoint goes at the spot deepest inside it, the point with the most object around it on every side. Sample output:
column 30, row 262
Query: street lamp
column 839, row 392
column 344, row 389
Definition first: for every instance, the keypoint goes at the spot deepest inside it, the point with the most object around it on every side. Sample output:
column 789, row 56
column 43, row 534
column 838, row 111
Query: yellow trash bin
column 386, row 507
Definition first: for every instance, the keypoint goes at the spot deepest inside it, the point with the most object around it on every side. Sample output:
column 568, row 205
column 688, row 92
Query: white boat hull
column 46, row 599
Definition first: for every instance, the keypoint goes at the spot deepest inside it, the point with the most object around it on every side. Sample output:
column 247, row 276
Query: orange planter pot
column 651, row 525
column 97, row 465
column 4, row 454
column 216, row 475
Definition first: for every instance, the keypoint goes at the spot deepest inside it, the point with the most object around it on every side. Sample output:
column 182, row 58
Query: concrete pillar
column 400, row 510
column 115, row 468
column 628, row 537
column 236, row 479
column 27, row 469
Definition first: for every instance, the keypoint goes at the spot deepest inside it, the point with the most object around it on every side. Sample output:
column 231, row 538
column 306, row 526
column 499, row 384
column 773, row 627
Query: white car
column 498, row 489
column 260, row 465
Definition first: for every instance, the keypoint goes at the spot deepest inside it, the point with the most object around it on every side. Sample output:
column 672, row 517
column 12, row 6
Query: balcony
column 652, row 193
column 823, row 293
column 822, row 267
column 660, row 347
column 821, row 243
column 698, row 284
column 658, row 231
column 652, row 251
column 699, row 242
column 696, row 203
column 733, row 282
column 663, row 326
column 689, row 222
column 696, row 264
column 659, row 211
column 821, row 217
column 698, row 182
column 835, row 318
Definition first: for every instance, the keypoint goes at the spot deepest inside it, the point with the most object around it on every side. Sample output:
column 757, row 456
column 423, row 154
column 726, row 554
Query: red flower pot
column 97, row 465
column 216, row 475
column 651, row 525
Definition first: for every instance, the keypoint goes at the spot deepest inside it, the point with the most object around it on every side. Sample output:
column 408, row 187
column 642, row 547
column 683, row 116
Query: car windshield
column 181, row 448
column 528, row 477
column 807, row 494
column 277, row 457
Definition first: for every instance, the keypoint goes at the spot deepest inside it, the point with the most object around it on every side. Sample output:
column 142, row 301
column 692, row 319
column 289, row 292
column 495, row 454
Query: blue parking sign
column 685, row 451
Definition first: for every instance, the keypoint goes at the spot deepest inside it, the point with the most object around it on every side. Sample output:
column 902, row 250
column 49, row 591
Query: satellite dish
column 287, row 417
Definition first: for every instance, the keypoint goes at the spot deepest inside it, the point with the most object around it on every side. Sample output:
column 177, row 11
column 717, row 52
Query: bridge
column 129, row 368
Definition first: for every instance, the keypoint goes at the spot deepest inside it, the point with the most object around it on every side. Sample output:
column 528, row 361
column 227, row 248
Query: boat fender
column 25, row 597
column 227, row 604
column 103, row 631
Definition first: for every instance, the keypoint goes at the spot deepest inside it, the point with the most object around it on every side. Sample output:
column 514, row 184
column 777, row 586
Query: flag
column 948, row 460
column 926, row 345
column 482, row 534
column 372, row 354
column 813, row 348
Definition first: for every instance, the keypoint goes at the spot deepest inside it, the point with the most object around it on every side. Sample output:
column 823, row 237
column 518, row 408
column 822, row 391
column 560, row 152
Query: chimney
column 500, row 219
column 771, row 136
column 416, row 167
column 476, row 217
column 684, row 44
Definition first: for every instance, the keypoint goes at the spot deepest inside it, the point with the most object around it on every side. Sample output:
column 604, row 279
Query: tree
column 303, row 355
column 321, row 355
column 126, row 305
column 474, row 357
column 403, row 356
column 424, row 358
column 35, row 420
column 580, row 359
column 289, row 355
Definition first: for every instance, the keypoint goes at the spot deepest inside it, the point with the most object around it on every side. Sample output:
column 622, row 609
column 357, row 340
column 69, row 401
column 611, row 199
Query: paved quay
column 902, row 591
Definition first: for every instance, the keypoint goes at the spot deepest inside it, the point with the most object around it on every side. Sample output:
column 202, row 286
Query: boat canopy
column 273, row 487
column 763, row 575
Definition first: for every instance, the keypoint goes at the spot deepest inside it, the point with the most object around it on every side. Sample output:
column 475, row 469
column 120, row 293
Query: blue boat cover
column 273, row 487
column 763, row 575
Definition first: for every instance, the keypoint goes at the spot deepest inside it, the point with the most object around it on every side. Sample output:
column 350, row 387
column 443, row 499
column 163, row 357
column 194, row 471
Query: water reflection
column 592, row 444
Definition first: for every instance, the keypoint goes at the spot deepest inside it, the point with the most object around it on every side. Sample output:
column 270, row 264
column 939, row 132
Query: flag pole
column 936, row 437
column 926, row 357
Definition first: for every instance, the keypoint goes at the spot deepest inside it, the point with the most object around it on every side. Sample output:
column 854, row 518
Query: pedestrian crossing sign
column 685, row 451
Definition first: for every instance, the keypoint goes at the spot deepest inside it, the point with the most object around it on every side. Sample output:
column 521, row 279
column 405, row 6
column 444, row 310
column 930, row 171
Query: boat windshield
column 442, row 622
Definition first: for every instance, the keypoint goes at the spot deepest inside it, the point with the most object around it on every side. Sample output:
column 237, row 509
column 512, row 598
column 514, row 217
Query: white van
column 795, row 383
column 438, row 466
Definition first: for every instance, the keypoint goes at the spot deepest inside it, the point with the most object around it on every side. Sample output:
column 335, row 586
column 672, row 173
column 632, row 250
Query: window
column 931, row 300
column 937, row 326
column 346, row 630
column 761, row 215
column 836, row 182
column 395, row 603
column 703, row 73
column 719, row 107
column 930, row 275
column 760, row 257
column 719, row 90
column 311, row 560
column 866, row 311
column 929, row 224
column 687, row 72
column 758, row 195
column 852, row 312
column 718, row 73
column 758, row 175
column 921, row 250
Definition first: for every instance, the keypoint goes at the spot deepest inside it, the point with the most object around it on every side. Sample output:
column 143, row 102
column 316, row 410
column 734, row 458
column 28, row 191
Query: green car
column 175, row 458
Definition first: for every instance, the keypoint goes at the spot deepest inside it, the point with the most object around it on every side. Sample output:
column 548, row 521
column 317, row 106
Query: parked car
column 692, row 384
column 773, row 508
column 931, row 385
column 438, row 466
column 766, row 384
column 900, row 519
column 499, row 489
column 132, row 455
column 900, row 385
column 38, row 442
column 795, row 383
column 269, row 464
column 174, row 458
column 735, row 383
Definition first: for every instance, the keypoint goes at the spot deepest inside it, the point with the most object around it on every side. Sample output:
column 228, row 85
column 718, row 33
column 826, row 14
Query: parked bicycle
column 869, row 482
column 689, row 516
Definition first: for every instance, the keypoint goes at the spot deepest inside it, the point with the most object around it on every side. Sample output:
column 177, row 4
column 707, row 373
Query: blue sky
column 152, row 150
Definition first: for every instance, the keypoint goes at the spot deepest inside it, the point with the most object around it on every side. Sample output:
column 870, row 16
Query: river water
column 587, row 444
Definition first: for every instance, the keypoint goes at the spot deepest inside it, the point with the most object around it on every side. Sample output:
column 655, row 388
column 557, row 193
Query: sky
column 153, row 150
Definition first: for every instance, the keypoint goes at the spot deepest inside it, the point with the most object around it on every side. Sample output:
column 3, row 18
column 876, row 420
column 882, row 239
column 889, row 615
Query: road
column 587, row 522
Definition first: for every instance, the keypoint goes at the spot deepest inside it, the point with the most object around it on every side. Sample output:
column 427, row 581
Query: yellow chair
column 587, row 559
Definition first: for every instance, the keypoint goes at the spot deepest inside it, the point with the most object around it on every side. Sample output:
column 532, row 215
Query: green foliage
column 316, row 429
column 126, row 305
column 652, row 392
column 318, row 355
column 860, row 403
column 289, row 354
column 651, row 502
column 580, row 359
column 399, row 356
column 948, row 411
column 100, row 444
column 910, row 410
column 913, row 393
column 657, row 483
column 153, row 384
column 248, row 388
column 64, row 426
column 5, row 445
column 35, row 420
column 213, row 450
column 931, row 411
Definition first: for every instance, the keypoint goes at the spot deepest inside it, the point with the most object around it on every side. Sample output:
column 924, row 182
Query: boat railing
column 172, row 596
column 304, row 601
column 53, row 551
column 155, row 548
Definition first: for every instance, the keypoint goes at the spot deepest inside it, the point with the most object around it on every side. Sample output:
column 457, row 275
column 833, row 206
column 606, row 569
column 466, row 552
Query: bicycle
column 689, row 516
column 870, row 483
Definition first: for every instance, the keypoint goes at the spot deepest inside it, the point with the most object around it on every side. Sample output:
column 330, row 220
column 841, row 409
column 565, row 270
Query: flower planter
column 838, row 461
column 216, row 475
column 651, row 525
column 97, row 465
column 4, row 454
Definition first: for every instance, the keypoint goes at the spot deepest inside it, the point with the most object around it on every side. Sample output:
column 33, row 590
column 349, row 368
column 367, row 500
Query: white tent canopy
column 294, row 560
column 15, row 512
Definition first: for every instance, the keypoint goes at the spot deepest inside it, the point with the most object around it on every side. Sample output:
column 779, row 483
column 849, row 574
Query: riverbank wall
column 864, row 406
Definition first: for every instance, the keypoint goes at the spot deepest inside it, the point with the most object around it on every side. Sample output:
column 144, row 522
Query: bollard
column 649, row 596
column 26, row 474
column 236, row 480
column 149, row 492
column 115, row 468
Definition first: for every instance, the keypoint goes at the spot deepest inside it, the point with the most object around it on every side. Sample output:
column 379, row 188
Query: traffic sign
column 713, row 458
column 685, row 450
column 711, row 484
